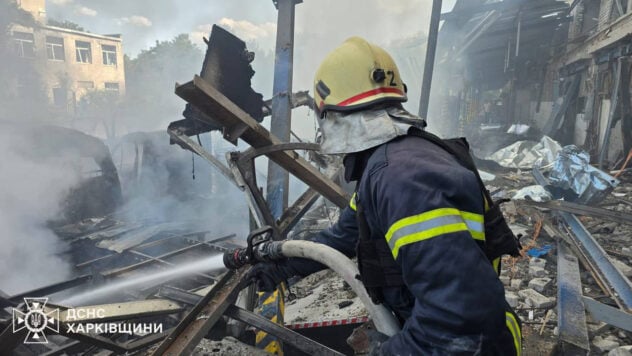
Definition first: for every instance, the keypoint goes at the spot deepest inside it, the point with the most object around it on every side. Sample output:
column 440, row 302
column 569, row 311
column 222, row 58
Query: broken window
column 55, row 48
column 112, row 86
column 84, row 52
column 24, row 44
column 109, row 55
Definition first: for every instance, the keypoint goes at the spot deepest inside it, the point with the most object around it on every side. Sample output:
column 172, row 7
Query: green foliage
column 22, row 96
column 101, row 106
column 150, row 81
column 66, row 24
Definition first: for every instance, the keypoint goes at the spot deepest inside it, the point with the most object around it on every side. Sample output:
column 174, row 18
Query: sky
column 320, row 26
column 142, row 22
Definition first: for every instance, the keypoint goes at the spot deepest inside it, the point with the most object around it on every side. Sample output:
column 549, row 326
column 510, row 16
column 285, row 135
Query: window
column 109, row 55
column 85, row 84
column 60, row 97
column 112, row 86
column 55, row 48
column 84, row 52
column 24, row 44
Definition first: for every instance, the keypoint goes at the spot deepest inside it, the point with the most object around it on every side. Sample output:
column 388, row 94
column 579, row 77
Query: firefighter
column 415, row 221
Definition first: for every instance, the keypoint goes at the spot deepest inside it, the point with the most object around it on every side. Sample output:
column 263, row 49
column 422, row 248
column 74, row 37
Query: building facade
column 71, row 63
column 562, row 67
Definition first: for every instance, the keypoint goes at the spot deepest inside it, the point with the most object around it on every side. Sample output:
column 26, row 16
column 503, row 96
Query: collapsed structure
column 560, row 67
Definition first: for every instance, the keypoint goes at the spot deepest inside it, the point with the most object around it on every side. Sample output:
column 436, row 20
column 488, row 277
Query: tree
column 66, row 24
column 101, row 106
column 150, row 102
column 22, row 94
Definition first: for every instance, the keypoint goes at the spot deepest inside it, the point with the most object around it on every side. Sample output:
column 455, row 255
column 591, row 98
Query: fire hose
column 261, row 249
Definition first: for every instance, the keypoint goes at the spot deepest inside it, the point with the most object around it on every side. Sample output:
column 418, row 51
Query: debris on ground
column 228, row 346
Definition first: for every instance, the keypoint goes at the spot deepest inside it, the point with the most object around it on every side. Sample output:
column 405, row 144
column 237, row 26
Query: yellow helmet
column 355, row 75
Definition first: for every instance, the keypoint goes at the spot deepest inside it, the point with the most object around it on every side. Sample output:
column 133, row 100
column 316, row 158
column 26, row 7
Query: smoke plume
column 32, row 193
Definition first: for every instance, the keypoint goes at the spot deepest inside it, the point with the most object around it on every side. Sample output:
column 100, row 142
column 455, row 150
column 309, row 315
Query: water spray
column 212, row 263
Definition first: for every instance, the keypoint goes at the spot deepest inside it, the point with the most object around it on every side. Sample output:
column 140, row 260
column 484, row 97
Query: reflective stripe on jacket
column 429, row 209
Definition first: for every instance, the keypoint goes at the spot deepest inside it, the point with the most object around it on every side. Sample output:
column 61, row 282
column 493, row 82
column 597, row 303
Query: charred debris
column 540, row 87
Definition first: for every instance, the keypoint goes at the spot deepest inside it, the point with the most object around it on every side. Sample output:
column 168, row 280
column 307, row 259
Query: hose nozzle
column 260, row 248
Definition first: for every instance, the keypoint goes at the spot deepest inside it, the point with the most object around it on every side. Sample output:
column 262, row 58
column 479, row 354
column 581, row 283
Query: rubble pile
column 322, row 296
column 531, row 282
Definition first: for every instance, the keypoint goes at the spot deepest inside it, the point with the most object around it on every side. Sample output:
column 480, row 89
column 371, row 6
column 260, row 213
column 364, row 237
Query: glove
column 365, row 340
column 268, row 275
column 376, row 340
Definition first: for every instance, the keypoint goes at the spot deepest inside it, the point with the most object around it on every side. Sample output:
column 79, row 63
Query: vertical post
column 278, row 178
column 431, row 49
column 271, row 305
column 614, row 102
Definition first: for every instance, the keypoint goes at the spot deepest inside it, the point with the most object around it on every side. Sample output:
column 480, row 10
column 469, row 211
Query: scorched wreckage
column 526, row 229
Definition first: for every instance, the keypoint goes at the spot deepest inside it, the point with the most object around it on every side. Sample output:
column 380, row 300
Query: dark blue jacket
column 429, row 208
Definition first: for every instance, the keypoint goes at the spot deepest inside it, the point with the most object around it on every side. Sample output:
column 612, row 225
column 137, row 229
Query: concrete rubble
column 530, row 282
column 532, row 289
column 228, row 346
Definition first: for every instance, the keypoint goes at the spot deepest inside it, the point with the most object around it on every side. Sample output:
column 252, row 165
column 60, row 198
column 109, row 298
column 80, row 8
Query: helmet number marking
column 391, row 74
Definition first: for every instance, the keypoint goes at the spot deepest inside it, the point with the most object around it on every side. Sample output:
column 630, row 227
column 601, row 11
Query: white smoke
column 32, row 192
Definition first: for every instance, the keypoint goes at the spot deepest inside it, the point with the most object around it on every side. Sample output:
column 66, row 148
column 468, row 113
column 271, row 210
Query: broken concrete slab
column 512, row 299
column 540, row 284
column 621, row 351
column 505, row 279
column 535, row 299
column 537, row 262
column 226, row 347
column 516, row 284
column 624, row 268
column 537, row 271
column 604, row 345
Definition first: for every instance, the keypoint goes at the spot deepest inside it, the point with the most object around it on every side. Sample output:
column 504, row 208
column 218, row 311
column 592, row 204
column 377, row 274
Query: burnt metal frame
column 581, row 209
column 245, row 164
column 293, row 338
column 572, row 305
column 618, row 285
column 10, row 340
column 199, row 321
column 573, row 332
column 608, row 314
column 214, row 104
column 242, row 174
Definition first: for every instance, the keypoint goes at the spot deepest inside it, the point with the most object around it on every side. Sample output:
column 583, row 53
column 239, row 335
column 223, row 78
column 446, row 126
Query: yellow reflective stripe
column 425, row 235
column 471, row 216
column 496, row 265
column 352, row 202
column 431, row 224
column 477, row 235
column 514, row 328
column 429, row 215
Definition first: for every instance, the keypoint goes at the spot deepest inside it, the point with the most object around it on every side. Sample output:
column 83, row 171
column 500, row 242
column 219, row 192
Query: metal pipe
column 280, row 125
column 518, row 33
column 385, row 321
column 431, row 49
column 620, row 286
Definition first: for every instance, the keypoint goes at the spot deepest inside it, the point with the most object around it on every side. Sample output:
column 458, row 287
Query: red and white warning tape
column 320, row 324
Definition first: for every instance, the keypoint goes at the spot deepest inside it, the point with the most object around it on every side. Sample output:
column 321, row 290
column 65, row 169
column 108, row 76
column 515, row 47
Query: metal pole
column 431, row 50
column 278, row 178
